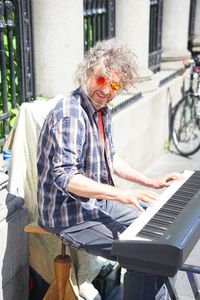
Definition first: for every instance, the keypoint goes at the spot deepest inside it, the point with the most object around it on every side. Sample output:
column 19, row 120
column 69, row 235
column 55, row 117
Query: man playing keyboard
column 77, row 198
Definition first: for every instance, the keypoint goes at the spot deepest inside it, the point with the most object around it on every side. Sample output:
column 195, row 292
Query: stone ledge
column 123, row 100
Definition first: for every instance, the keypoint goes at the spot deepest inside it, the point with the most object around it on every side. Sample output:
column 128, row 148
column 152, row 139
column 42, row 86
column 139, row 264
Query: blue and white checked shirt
column 69, row 144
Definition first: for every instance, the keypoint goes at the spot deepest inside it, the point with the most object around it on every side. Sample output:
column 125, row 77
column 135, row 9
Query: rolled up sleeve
column 68, row 140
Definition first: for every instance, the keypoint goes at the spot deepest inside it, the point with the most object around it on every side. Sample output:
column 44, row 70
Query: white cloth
column 23, row 181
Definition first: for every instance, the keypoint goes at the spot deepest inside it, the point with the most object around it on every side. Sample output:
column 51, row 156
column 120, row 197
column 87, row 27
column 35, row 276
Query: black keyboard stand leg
column 194, row 285
column 171, row 289
column 191, row 274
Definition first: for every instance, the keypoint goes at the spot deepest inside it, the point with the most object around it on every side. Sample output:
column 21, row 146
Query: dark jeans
column 96, row 238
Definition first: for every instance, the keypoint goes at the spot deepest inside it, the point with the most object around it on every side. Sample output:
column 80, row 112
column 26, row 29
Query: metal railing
column 99, row 21
column 155, row 34
column 16, row 60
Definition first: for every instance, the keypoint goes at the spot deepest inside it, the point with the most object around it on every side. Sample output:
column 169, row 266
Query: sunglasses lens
column 100, row 80
column 115, row 86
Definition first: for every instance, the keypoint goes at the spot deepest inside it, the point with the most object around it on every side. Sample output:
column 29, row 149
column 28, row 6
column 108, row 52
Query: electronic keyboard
column 161, row 238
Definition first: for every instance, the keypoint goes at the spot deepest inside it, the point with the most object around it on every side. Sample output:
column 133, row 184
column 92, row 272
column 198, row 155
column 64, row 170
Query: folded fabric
column 9, row 204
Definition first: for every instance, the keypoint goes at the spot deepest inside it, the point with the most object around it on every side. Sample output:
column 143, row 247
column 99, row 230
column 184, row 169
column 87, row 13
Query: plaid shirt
column 70, row 144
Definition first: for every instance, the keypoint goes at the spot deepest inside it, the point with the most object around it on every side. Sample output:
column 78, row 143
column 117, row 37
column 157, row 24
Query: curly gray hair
column 107, row 55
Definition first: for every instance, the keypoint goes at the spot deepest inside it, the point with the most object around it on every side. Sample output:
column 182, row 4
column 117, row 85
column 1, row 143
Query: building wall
column 141, row 129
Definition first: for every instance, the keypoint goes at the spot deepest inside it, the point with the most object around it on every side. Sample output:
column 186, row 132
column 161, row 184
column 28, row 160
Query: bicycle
column 186, row 116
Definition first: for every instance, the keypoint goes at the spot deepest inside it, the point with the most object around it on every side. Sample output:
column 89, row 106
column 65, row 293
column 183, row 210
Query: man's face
column 101, row 88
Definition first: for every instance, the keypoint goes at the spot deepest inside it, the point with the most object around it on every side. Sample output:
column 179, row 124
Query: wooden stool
column 61, row 286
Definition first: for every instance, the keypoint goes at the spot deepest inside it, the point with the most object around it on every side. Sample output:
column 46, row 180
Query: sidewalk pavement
column 173, row 162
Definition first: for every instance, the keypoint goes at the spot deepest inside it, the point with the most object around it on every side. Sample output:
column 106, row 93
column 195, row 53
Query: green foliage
column 88, row 28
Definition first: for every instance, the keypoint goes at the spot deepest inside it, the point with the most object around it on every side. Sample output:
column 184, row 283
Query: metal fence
column 155, row 34
column 99, row 21
column 16, row 60
column 191, row 23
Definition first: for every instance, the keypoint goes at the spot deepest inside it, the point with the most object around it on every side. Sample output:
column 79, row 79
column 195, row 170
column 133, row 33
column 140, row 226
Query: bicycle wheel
column 186, row 126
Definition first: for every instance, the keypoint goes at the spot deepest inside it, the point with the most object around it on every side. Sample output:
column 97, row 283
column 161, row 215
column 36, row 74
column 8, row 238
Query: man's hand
column 164, row 181
column 135, row 197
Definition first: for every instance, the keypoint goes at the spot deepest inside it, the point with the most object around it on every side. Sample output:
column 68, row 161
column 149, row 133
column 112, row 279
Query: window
column 99, row 21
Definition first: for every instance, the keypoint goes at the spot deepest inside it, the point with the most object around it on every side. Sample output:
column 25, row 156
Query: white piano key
column 131, row 232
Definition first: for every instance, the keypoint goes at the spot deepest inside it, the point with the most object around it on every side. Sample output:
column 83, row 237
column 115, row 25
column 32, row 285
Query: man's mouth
column 102, row 96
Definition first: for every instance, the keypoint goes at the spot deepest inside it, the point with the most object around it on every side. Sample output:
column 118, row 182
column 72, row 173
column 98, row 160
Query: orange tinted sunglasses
column 101, row 80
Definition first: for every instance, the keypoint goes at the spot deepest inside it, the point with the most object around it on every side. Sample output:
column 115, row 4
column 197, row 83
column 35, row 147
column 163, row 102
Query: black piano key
column 187, row 190
column 185, row 195
column 191, row 186
column 175, row 203
column 165, row 216
column 159, row 224
column 173, row 207
column 194, row 180
column 160, row 221
column 149, row 234
column 156, row 229
column 169, row 211
column 179, row 199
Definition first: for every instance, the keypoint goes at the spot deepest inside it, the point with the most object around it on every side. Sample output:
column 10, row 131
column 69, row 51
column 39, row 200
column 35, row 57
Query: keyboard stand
column 191, row 271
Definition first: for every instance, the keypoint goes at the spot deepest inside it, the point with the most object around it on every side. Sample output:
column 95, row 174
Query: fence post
column 3, row 69
column 10, row 27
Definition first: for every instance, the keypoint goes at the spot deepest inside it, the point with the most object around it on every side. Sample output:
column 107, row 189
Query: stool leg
column 62, row 264
column 52, row 292
column 69, row 292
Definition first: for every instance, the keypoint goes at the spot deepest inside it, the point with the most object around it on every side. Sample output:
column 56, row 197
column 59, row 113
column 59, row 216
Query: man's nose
column 106, row 89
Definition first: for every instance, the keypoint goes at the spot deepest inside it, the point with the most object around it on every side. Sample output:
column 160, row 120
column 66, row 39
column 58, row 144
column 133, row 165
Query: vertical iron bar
column 191, row 23
column 156, row 36
column 29, row 53
column 85, row 24
column 3, row 67
column 153, row 25
column 160, row 9
column 110, row 26
column 151, row 35
column 89, row 14
column 24, row 50
column 159, row 34
column 3, row 56
column 20, row 54
column 10, row 27
column 103, row 28
column 94, row 22
column 99, row 10
column 27, row 46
